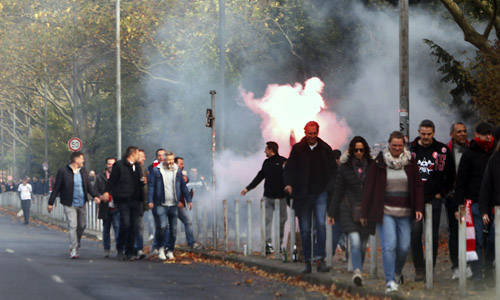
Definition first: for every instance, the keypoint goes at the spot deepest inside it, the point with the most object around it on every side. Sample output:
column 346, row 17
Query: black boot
column 307, row 269
column 322, row 266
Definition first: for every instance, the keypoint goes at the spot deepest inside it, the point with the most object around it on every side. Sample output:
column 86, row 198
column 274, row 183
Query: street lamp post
column 404, row 101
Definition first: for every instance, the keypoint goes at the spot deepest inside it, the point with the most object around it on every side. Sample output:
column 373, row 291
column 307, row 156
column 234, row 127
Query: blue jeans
column 481, row 243
column 113, row 219
column 182, row 214
column 358, row 249
column 316, row 204
column 166, row 221
column 395, row 236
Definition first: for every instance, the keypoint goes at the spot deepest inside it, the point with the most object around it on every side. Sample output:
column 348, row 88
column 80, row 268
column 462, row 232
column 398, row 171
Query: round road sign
column 75, row 144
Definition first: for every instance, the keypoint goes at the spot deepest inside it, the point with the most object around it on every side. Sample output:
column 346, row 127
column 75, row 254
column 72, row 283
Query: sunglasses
column 361, row 150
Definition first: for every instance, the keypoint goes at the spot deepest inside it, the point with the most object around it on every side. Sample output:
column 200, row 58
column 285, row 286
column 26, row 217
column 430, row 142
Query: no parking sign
column 75, row 144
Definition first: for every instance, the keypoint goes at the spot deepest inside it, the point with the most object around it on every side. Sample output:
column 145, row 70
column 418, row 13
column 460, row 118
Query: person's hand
column 49, row 208
column 486, row 219
column 150, row 205
column 288, row 189
column 190, row 205
column 180, row 205
column 331, row 221
column 364, row 222
column 97, row 200
column 418, row 216
column 105, row 196
column 243, row 192
column 438, row 196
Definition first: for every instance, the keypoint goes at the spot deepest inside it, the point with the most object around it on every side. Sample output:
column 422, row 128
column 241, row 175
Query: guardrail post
column 429, row 259
column 263, row 227
column 462, row 250
column 329, row 246
column 373, row 256
column 249, row 226
column 204, row 226
column 195, row 221
column 277, row 244
column 348, row 250
column 292, row 228
column 237, row 223
column 226, row 227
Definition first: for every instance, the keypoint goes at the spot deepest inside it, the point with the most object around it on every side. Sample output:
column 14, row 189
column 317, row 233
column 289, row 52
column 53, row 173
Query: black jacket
column 272, row 172
column 436, row 167
column 63, row 186
column 470, row 174
column 296, row 172
column 124, row 183
column 100, row 188
column 348, row 187
column 489, row 196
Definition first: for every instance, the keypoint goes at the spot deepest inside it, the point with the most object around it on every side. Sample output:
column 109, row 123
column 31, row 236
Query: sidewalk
column 444, row 287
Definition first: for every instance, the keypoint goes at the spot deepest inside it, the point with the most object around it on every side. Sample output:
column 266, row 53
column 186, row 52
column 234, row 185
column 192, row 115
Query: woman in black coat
column 346, row 203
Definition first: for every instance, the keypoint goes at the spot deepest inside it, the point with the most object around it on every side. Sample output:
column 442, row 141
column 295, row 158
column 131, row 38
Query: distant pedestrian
column 139, row 239
column 346, row 202
column 72, row 186
column 392, row 197
column 25, row 192
column 165, row 186
column 274, row 188
column 107, row 209
column 306, row 175
column 160, row 157
column 125, row 186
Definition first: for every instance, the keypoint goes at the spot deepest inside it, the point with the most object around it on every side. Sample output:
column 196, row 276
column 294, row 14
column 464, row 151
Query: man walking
column 25, row 191
column 165, row 186
column 107, row 210
column 306, row 175
column 272, row 173
column 437, row 170
column 160, row 156
column 72, row 186
column 125, row 185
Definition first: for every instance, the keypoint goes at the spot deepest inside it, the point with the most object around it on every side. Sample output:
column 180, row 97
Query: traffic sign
column 75, row 144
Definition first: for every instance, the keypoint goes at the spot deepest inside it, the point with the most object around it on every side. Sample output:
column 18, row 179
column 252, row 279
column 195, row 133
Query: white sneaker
column 151, row 237
column 107, row 253
column 456, row 273
column 140, row 254
column 73, row 254
column 170, row 255
column 161, row 254
column 391, row 287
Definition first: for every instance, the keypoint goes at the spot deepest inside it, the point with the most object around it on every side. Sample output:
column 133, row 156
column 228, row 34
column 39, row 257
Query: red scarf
column 486, row 146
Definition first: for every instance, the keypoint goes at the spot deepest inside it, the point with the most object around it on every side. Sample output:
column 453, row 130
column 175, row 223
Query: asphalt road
column 35, row 264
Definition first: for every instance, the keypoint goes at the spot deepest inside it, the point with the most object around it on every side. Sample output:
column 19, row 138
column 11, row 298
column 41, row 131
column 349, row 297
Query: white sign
column 75, row 144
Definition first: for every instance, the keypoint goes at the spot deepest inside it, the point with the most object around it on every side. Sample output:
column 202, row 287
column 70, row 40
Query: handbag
column 355, row 211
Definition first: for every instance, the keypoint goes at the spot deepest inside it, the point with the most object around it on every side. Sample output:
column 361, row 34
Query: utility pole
column 14, row 161
column 214, row 199
column 2, row 169
column 404, row 100
column 45, row 129
column 28, row 148
column 222, row 70
column 75, row 102
column 118, row 84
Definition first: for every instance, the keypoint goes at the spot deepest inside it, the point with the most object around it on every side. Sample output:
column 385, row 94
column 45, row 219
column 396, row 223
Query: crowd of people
column 360, row 191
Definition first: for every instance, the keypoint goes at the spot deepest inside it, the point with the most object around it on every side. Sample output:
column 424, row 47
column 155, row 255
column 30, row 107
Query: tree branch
column 145, row 71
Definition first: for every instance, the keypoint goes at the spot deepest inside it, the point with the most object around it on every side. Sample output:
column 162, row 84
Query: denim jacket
column 156, row 189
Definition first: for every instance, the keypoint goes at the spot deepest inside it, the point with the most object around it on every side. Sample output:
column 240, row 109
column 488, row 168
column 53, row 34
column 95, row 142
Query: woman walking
column 393, row 195
column 346, row 203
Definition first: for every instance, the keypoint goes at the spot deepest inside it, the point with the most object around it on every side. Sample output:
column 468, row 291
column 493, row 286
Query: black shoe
column 130, row 258
column 307, row 269
column 322, row 266
column 120, row 256
column 269, row 248
column 399, row 279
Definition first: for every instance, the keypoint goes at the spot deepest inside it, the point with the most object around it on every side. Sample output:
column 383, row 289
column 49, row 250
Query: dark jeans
column 139, row 240
column 113, row 219
column 26, row 205
column 484, row 241
column 129, row 217
column 452, row 234
column 416, row 236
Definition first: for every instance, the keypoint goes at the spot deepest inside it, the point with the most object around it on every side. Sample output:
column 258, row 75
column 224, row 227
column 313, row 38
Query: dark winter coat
column 436, row 167
column 63, row 187
column 372, row 206
column 272, row 172
column 470, row 174
column 100, row 188
column 348, row 187
column 123, row 182
column 296, row 172
column 489, row 196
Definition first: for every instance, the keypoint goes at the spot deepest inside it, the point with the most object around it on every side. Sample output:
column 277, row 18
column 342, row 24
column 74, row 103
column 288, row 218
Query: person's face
column 359, row 150
column 459, row 134
column 25, row 181
column 426, row 135
column 170, row 161
column 484, row 137
column 142, row 158
column 396, row 147
column 35, row 179
column 311, row 133
column 160, row 155
column 180, row 163
column 268, row 152
column 79, row 161
column 194, row 173
column 109, row 164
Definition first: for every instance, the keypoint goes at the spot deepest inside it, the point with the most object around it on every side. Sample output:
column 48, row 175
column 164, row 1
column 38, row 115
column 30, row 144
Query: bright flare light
column 285, row 108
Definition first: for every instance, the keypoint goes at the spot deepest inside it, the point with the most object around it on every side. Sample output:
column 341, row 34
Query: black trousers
column 129, row 220
column 452, row 233
column 416, row 236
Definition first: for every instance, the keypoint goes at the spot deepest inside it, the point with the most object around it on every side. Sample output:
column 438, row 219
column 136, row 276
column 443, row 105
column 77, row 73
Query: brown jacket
column 372, row 206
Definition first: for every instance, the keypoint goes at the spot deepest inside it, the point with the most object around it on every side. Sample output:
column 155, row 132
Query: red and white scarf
column 470, row 232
